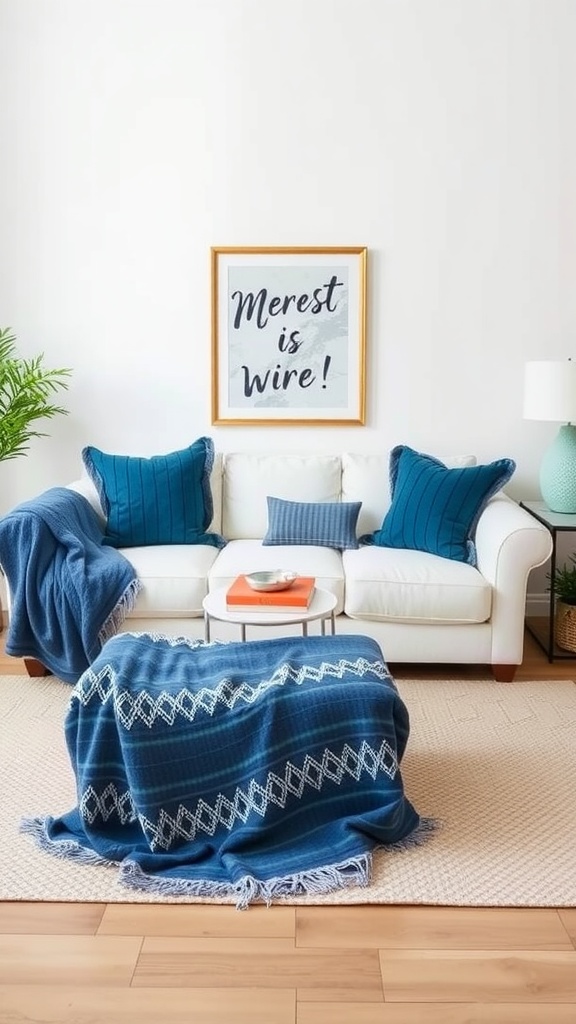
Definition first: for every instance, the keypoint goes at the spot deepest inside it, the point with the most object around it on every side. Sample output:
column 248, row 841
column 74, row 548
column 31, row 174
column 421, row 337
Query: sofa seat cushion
column 414, row 586
column 244, row 556
column 173, row 577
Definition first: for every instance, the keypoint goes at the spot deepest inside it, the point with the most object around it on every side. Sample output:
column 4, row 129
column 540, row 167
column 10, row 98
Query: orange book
column 241, row 597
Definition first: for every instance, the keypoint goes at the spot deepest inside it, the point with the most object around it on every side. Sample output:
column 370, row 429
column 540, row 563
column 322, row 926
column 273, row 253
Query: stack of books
column 240, row 597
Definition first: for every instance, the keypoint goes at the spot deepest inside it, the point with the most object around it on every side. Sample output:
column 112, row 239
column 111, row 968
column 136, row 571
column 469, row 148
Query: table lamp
column 550, row 394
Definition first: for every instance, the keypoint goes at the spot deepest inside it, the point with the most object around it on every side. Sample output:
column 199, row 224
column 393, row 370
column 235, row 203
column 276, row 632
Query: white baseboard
column 537, row 604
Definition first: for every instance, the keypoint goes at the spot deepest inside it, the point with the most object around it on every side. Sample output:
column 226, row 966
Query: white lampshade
column 550, row 391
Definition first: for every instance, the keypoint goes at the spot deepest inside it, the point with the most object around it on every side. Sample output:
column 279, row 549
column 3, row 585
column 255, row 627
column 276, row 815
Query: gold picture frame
column 288, row 335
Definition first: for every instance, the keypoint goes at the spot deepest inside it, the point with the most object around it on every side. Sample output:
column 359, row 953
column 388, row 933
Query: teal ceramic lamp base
column 558, row 472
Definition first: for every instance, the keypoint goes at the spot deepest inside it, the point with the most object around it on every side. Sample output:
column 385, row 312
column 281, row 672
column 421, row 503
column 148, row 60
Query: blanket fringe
column 247, row 890
column 68, row 849
column 118, row 614
column 133, row 877
column 421, row 834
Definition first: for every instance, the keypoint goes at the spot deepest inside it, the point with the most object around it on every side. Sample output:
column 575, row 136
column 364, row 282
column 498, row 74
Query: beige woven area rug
column 495, row 762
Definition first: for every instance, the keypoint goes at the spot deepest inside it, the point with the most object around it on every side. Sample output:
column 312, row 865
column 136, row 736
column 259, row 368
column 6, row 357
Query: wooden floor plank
column 434, row 1013
column 191, row 945
column 479, row 976
column 67, row 959
column 336, row 994
column 430, row 928
column 198, row 919
column 568, row 919
column 67, row 1004
column 51, row 918
column 266, row 963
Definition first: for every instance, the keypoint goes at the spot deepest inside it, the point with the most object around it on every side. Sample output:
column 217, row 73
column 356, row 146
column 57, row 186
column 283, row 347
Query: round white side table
column 321, row 607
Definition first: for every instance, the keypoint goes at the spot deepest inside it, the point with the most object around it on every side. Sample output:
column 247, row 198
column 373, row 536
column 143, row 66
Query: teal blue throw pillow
column 165, row 499
column 330, row 524
column 434, row 508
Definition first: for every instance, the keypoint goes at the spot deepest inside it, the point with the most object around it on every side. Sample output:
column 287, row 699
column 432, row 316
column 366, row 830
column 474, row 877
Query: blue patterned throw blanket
column 246, row 771
column 68, row 591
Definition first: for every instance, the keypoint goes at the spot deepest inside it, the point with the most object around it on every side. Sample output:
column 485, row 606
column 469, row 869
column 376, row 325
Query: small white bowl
column 277, row 579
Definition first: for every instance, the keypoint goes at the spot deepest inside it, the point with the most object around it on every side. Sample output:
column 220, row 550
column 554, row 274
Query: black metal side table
column 556, row 522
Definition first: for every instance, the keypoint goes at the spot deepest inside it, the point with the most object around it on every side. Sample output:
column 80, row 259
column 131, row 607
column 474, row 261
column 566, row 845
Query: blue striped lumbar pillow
column 436, row 509
column 330, row 524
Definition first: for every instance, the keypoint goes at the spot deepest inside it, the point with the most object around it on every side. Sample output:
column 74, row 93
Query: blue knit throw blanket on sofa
column 69, row 591
column 244, row 771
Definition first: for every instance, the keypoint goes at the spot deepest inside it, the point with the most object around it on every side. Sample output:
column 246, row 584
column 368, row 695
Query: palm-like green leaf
column 26, row 395
column 565, row 582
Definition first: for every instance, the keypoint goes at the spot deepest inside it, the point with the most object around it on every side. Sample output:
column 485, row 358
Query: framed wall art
column 288, row 335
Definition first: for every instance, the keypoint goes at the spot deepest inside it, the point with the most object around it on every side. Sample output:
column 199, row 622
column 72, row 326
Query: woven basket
column 565, row 626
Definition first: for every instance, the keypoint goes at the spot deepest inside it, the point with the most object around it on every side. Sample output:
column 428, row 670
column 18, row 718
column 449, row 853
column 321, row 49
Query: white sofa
column 418, row 606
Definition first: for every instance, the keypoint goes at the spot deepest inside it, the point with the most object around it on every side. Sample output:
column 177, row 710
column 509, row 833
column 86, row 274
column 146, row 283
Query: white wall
column 138, row 133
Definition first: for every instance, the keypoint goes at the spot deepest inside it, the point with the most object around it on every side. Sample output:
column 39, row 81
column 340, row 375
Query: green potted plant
column 27, row 390
column 564, row 589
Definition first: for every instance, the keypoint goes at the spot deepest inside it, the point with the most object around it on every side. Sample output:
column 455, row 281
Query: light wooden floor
column 110, row 964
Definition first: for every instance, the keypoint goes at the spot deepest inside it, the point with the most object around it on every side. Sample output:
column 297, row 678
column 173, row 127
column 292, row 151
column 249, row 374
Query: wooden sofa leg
column 504, row 673
column 35, row 668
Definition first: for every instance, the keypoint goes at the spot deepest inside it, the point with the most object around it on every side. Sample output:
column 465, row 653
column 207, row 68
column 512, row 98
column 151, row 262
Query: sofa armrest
column 509, row 544
column 82, row 486
column 86, row 488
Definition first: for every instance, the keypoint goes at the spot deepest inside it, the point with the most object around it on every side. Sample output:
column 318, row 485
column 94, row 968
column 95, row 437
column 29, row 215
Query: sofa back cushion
column 85, row 486
column 249, row 478
column 366, row 478
column 216, row 488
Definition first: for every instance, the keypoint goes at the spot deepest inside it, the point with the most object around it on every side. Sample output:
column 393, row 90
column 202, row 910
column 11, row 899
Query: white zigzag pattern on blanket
column 168, row 707
column 206, row 818
column 106, row 804
column 173, row 641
